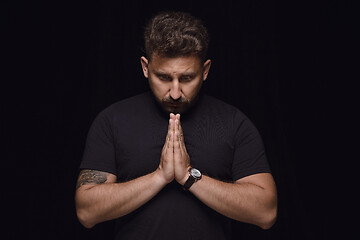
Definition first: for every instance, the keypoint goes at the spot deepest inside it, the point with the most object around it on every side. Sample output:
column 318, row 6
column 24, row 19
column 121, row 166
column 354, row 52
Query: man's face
column 175, row 82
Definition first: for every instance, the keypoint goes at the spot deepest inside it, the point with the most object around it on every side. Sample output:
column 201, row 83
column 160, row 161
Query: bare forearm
column 244, row 201
column 102, row 202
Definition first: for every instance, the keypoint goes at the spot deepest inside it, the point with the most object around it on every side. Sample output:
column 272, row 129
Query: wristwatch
column 194, row 176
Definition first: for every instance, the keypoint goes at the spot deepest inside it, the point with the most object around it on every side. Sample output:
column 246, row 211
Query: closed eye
column 164, row 77
column 187, row 78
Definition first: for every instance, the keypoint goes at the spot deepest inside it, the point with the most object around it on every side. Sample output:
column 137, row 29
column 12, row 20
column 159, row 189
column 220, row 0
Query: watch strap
column 189, row 182
column 194, row 176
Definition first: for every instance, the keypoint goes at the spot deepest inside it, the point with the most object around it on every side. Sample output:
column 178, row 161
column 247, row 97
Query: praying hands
column 174, row 161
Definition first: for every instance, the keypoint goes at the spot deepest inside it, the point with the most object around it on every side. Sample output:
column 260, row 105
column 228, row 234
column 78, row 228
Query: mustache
column 171, row 101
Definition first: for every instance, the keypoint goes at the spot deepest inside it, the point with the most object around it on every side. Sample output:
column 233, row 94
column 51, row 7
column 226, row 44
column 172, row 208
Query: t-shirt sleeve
column 249, row 152
column 99, row 153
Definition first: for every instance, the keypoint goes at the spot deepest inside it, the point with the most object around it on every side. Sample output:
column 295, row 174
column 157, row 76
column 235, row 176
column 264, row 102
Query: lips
column 174, row 105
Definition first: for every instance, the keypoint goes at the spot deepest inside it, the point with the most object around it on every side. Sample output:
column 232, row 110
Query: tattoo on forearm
column 91, row 177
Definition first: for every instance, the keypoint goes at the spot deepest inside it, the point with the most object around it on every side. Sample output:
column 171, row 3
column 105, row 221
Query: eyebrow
column 160, row 73
column 189, row 73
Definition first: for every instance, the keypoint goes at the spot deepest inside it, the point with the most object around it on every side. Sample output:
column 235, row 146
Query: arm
column 251, row 199
column 99, row 198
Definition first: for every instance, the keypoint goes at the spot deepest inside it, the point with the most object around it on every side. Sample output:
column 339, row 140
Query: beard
column 175, row 106
column 181, row 105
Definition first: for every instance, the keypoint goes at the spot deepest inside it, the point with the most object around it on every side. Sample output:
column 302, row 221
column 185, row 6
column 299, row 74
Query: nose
column 175, row 90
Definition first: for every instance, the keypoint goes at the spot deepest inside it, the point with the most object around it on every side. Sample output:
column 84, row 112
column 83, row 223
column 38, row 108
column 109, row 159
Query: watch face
column 195, row 173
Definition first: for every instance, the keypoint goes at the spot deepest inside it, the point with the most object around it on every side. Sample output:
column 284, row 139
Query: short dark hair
column 174, row 34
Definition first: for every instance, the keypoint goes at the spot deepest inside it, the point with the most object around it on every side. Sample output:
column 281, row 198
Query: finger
column 172, row 122
column 177, row 117
column 170, row 144
column 178, row 150
column 178, row 124
column 181, row 136
column 167, row 136
column 172, row 116
column 168, row 148
column 167, row 139
column 176, row 129
column 169, row 126
column 177, row 145
column 171, row 131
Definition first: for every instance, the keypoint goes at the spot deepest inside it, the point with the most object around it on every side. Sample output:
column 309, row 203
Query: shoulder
column 230, row 116
column 126, row 106
column 123, row 110
column 130, row 104
column 219, row 108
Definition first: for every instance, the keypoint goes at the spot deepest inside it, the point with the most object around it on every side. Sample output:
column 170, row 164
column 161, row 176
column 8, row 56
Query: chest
column 138, row 148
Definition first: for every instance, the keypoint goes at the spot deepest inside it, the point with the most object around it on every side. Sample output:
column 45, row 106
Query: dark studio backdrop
column 280, row 62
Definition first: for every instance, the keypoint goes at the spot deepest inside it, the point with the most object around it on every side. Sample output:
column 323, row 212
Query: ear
column 206, row 69
column 145, row 66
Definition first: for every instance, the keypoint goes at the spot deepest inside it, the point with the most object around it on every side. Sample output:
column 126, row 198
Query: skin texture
column 175, row 83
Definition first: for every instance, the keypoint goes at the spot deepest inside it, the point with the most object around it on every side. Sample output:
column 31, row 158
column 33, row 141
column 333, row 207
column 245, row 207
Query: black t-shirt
column 126, row 139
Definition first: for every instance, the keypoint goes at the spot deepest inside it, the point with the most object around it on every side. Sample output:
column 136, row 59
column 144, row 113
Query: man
column 174, row 163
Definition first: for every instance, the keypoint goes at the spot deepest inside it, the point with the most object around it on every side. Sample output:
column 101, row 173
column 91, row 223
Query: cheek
column 158, row 88
column 192, row 89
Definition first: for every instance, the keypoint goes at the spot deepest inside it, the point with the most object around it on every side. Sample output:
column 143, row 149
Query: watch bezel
column 194, row 176
column 195, row 173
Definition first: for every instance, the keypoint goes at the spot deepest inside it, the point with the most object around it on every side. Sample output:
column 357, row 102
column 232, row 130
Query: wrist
column 159, row 178
column 193, row 176
column 183, row 180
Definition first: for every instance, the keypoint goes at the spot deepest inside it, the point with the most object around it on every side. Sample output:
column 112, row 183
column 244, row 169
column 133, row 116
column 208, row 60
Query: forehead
column 175, row 65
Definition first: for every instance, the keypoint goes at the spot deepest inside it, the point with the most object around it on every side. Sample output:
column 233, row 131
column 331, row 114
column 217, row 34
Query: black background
column 285, row 64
